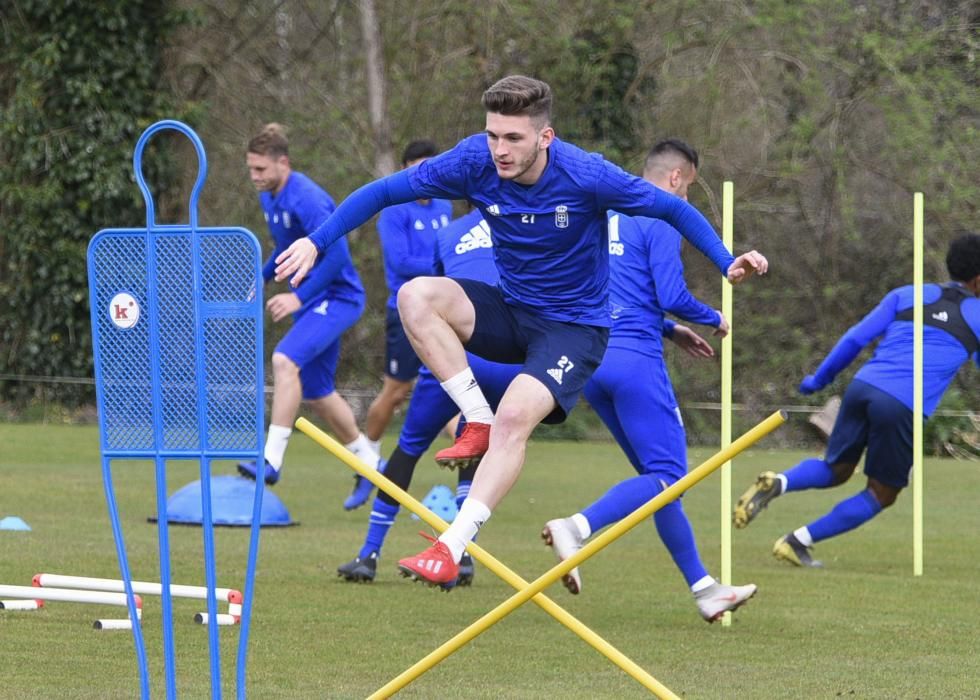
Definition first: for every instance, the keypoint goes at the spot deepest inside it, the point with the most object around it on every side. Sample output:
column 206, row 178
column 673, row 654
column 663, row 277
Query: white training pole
column 221, row 618
column 66, row 595
column 143, row 587
column 727, row 235
column 21, row 604
column 917, row 313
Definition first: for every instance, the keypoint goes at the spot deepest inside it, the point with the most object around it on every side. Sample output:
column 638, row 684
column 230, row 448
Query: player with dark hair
column 545, row 201
column 876, row 413
column 328, row 302
column 632, row 393
column 407, row 233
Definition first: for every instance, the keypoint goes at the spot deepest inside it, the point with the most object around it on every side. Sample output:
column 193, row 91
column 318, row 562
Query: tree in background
column 79, row 82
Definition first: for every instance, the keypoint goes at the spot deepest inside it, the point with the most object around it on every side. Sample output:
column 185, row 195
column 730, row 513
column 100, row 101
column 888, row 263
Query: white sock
column 275, row 445
column 472, row 514
column 782, row 481
column 361, row 447
column 706, row 581
column 467, row 394
column 804, row 536
column 582, row 523
column 375, row 445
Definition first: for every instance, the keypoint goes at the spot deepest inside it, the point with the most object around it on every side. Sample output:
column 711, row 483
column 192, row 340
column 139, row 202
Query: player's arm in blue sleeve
column 668, row 274
column 851, row 344
column 617, row 189
column 396, row 246
column 269, row 269
column 361, row 205
column 668, row 331
column 438, row 177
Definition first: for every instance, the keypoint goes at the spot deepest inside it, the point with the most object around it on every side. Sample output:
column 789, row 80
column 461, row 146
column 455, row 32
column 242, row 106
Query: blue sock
column 382, row 518
column 809, row 474
column 678, row 536
column 846, row 515
column 621, row 500
column 462, row 491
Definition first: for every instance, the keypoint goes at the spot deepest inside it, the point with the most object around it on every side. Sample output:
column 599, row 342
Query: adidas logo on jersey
column 493, row 210
column 941, row 316
column 556, row 374
column 476, row 237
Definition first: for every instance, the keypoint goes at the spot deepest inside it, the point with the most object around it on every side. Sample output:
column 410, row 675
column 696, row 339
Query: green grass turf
column 863, row 627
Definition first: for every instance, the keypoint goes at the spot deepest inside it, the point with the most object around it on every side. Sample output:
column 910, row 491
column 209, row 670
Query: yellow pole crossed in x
column 532, row 591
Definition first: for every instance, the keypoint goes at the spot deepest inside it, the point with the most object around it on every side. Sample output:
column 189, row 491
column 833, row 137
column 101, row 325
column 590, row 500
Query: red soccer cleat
column 434, row 566
column 468, row 448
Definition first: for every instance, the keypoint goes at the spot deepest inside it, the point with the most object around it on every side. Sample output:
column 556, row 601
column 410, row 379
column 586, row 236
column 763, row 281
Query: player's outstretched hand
column 746, row 265
column 809, row 385
column 723, row 328
column 296, row 261
column 691, row 343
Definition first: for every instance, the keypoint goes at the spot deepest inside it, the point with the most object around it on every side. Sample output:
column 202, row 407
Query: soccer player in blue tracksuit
column 328, row 302
column 876, row 413
column 463, row 251
column 546, row 203
column 407, row 233
column 632, row 393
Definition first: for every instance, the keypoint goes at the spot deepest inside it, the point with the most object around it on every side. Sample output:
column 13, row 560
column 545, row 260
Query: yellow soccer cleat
column 766, row 487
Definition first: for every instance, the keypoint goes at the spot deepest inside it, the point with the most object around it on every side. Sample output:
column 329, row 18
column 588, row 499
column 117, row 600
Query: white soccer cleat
column 563, row 538
column 717, row 599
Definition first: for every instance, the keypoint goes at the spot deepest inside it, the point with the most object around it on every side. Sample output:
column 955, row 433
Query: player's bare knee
column 512, row 425
column 842, row 472
column 885, row 495
column 283, row 366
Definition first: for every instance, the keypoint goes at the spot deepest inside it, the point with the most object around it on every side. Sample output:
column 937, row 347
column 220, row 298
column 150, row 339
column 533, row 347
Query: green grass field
column 863, row 627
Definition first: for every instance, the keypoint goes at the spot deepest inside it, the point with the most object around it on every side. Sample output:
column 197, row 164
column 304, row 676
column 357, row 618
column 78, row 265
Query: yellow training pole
column 917, row 475
column 613, row 533
column 488, row 560
column 727, row 237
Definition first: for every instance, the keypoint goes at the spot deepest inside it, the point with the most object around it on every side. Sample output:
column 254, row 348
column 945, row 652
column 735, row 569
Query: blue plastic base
column 232, row 501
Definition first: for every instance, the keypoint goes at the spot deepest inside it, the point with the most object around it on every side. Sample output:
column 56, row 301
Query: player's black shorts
column 559, row 354
column 873, row 419
column 401, row 362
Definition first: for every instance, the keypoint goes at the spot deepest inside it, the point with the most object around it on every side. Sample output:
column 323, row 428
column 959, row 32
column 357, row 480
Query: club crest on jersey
column 561, row 216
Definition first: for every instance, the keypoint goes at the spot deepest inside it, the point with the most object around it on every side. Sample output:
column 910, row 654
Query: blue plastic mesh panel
column 174, row 275
column 224, row 313
column 119, row 264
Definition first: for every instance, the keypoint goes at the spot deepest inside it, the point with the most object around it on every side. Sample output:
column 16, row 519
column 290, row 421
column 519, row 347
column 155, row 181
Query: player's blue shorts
column 873, row 419
column 401, row 362
column 560, row 355
column 633, row 395
column 313, row 343
column 431, row 408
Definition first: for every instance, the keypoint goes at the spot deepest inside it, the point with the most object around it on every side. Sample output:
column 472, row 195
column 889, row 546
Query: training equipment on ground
column 232, row 498
column 230, row 596
column 533, row 591
column 33, row 597
column 440, row 500
column 177, row 319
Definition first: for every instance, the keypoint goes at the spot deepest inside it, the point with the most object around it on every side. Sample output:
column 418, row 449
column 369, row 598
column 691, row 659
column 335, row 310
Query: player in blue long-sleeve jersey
column 463, row 250
column 545, row 201
column 876, row 412
column 632, row 393
column 329, row 301
column 407, row 232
